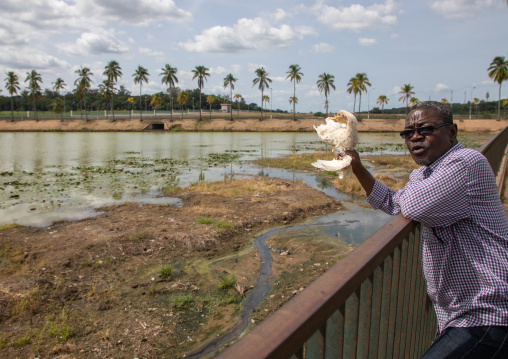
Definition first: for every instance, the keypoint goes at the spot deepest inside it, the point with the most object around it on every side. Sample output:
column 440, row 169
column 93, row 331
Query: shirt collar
column 436, row 163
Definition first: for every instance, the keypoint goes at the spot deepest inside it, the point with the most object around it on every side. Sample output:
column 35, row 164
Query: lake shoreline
column 222, row 125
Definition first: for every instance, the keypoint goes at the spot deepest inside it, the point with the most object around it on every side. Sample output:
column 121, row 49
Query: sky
column 441, row 47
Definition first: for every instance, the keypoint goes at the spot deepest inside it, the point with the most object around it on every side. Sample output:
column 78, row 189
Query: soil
column 153, row 281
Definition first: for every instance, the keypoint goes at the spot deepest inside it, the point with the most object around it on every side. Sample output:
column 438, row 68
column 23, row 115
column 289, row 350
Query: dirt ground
column 152, row 281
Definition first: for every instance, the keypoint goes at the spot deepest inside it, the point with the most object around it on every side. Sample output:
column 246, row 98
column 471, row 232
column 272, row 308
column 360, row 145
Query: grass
column 29, row 304
column 171, row 189
column 139, row 235
column 7, row 226
column 236, row 187
column 228, row 282
column 166, row 271
column 183, row 302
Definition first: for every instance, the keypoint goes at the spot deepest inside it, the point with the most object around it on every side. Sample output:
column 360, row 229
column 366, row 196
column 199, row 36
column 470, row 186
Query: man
column 464, row 237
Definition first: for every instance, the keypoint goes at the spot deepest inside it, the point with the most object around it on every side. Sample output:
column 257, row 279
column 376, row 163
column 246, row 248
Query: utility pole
column 471, row 102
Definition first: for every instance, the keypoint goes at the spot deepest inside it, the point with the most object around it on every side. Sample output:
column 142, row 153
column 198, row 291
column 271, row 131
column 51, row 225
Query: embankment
column 224, row 124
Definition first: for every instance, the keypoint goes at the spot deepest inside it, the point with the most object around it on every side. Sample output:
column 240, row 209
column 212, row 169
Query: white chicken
column 341, row 133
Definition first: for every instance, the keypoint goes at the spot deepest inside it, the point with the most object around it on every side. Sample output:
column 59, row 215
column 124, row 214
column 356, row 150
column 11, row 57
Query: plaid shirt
column 464, row 243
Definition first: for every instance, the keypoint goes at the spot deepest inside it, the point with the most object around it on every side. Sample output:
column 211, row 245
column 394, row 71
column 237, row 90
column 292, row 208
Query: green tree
column 34, row 79
column 263, row 82
column 382, row 100
column 363, row 82
column 182, row 98
column 324, row 84
column 12, row 85
column 293, row 100
column 169, row 78
column 476, row 102
column 498, row 71
column 443, row 100
column 353, row 87
column 230, row 80
column 295, row 75
column 156, row 101
column 112, row 71
column 210, row 100
column 140, row 75
column 407, row 92
column 413, row 101
column 83, row 84
column 107, row 90
column 238, row 97
column 201, row 73
column 57, row 107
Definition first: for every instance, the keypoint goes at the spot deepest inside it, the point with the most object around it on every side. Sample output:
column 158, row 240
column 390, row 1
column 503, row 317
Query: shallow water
column 46, row 177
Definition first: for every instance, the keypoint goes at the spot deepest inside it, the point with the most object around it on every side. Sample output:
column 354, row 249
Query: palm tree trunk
column 499, row 104
column 294, row 98
column 326, row 105
column 231, row 99
column 360, row 103
column 171, row 99
column 199, row 104
column 261, row 104
column 354, row 104
column 140, row 102
column 112, row 108
column 12, row 110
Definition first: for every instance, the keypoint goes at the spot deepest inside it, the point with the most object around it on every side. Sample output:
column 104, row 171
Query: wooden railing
column 371, row 304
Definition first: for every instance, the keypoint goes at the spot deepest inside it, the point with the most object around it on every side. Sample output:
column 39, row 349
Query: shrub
column 166, row 270
column 183, row 301
column 228, row 282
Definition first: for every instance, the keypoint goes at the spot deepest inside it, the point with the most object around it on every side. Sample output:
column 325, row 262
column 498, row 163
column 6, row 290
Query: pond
column 45, row 177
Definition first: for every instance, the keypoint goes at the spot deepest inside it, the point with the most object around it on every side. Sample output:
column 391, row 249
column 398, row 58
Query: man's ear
column 452, row 132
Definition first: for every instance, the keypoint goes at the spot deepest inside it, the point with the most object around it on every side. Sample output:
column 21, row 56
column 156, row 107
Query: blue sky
column 437, row 46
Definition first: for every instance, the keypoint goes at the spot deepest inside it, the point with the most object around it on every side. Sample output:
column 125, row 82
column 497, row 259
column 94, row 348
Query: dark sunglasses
column 422, row 131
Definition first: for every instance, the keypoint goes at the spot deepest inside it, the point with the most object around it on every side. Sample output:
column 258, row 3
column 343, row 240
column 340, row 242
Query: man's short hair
column 442, row 111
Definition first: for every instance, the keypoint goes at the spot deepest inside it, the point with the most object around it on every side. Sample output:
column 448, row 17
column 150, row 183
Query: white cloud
column 441, row 87
column 323, row 48
column 217, row 70
column 458, row 9
column 149, row 52
column 246, row 34
column 97, row 42
column 306, row 30
column 29, row 58
column 279, row 15
column 356, row 17
column 364, row 41
column 137, row 12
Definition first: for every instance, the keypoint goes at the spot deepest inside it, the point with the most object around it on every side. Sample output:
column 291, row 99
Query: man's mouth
column 417, row 150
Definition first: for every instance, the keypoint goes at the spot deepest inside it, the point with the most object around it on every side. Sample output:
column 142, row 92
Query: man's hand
column 366, row 179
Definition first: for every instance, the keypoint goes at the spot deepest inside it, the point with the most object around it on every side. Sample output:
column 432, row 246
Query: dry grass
column 295, row 161
column 237, row 187
column 392, row 161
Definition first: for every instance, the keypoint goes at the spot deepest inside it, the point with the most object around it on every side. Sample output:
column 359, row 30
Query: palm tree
column 293, row 100
column 156, row 101
column 505, row 104
column 230, row 80
column 58, row 85
column 498, row 71
column 443, row 100
column 106, row 90
column 169, row 78
column 413, row 101
column 112, row 71
column 238, row 97
column 265, row 100
column 294, row 75
column 12, row 85
column 476, row 102
column 140, row 76
column 34, row 78
column 363, row 82
column 210, row 100
column 353, row 87
column 201, row 73
column 382, row 100
column 182, row 98
column 324, row 84
column 57, row 107
column 407, row 92
column 83, row 83
column 262, row 81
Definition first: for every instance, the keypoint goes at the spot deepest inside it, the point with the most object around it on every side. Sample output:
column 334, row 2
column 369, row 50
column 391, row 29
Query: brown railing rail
column 371, row 304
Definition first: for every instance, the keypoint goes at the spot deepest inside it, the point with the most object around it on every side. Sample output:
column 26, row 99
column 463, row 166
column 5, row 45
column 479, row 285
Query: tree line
column 107, row 95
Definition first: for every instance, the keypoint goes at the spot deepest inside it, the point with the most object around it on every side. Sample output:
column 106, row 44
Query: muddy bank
column 154, row 281
column 224, row 124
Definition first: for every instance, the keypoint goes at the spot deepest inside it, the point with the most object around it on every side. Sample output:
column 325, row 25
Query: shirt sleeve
column 437, row 201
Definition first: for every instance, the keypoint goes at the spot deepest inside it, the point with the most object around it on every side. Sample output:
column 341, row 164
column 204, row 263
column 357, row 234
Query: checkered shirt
column 464, row 244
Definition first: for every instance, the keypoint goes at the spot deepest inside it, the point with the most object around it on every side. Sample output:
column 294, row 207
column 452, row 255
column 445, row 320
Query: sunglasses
column 422, row 131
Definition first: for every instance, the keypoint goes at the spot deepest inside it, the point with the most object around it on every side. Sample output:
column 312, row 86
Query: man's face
column 427, row 149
